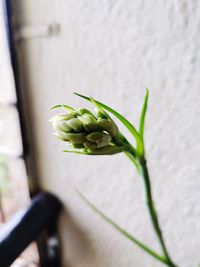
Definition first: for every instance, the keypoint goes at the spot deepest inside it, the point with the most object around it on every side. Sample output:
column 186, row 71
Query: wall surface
column 113, row 50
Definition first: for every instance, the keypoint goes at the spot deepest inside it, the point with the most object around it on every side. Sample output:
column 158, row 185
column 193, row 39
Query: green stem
column 152, row 211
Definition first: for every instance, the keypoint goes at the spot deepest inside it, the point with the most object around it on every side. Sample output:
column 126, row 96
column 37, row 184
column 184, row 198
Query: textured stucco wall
column 112, row 50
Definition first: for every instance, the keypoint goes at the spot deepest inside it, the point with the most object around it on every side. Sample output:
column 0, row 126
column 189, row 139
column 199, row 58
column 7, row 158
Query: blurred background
column 110, row 50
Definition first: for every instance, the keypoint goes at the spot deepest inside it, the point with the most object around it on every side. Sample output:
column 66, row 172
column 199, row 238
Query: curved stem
column 152, row 211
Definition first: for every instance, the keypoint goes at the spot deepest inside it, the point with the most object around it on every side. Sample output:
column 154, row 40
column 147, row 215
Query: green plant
column 97, row 134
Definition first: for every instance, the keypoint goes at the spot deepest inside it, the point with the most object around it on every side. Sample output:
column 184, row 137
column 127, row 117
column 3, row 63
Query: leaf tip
column 147, row 92
column 75, row 93
column 52, row 108
column 82, row 96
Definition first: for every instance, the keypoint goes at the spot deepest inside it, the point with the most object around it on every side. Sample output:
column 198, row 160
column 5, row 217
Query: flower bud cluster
column 92, row 133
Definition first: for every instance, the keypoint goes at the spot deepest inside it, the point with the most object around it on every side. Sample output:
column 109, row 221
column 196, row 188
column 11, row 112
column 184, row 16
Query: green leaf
column 123, row 231
column 107, row 150
column 142, row 116
column 77, row 152
column 96, row 104
column 123, row 120
column 132, row 158
column 68, row 108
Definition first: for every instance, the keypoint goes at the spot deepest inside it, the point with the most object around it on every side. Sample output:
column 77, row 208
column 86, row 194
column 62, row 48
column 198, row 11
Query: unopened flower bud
column 83, row 111
column 61, row 117
column 89, row 122
column 98, row 139
column 89, row 134
column 107, row 150
column 75, row 124
column 108, row 126
column 76, row 138
column 62, row 126
column 101, row 114
column 62, row 136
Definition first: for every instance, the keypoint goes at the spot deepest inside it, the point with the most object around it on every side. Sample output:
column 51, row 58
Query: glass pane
column 13, row 186
column 10, row 134
column 14, row 193
column 7, row 89
column 14, row 196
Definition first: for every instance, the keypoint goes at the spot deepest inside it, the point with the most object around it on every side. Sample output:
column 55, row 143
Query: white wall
column 112, row 50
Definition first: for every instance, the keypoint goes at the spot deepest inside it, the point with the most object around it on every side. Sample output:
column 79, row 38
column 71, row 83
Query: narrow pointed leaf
column 123, row 120
column 65, row 107
column 129, row 155
column 142, row 117
column 107, row 150
column 76, row 152
column 123, row 231
column 96, row 104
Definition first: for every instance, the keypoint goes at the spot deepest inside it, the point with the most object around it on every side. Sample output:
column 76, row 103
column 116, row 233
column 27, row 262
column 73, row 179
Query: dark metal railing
column 26, row 226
